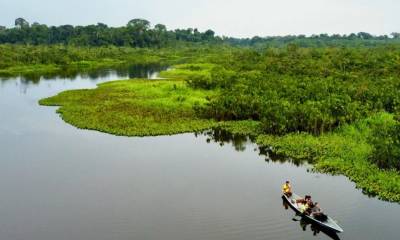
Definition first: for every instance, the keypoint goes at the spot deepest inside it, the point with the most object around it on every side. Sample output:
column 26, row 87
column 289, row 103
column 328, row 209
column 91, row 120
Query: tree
column 39, row 34
column 21, row 23
column 395, row 35
column 102, row 25
column 160, row 35
column 209, row 34
column 139, row 24
column 255, row 40
column 385, row 139
column 138, row 30
column 160, row 28
column 364, row 35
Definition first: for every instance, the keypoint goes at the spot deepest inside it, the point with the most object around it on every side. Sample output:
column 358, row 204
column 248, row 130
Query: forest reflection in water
column 71, row 73
column 240, row 142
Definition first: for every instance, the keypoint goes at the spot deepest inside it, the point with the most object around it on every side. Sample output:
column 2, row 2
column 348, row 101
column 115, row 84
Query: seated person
column 308, row 207
column 317, row 213
column 305, row 204
column 303, row 208
column 304, row 200
column 287, row 189
column 316, row 209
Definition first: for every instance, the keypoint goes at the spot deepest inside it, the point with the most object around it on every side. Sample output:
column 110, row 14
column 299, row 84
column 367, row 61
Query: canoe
column 329, row 224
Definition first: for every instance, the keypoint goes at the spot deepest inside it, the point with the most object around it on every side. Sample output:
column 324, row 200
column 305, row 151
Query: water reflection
column 222, row 137
column 316, row 230
column 240, row 141
column 72, row 73
column 171, row 187
column 304, row 223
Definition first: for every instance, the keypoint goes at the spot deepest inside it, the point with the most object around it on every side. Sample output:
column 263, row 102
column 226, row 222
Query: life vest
column 286, row 188
column 303, row 208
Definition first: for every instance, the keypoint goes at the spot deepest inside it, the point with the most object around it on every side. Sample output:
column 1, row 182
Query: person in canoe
column 305, row 204
column 315, row 210
column 305, row 200
column 287, row 189
column 317, row 213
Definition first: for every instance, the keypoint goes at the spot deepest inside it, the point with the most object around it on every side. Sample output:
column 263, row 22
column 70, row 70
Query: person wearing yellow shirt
column 287, row 189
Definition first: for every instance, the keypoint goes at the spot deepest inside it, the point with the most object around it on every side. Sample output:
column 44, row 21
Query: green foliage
column 133, row 107
column 137, row 33
column 361, row 39
column 16, row 59
column 38, row 69
column 345, row 151
column 187, row 71
column 297, row 89
column 140, row 33
column 316, row 104
column 18, row 55
column 385, row 139
column 247, row 128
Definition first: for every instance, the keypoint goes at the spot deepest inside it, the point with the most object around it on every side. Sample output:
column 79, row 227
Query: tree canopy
column 140, row 33
column 136, row 33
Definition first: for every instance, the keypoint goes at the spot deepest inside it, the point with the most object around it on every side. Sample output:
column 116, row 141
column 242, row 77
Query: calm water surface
column 61, row 183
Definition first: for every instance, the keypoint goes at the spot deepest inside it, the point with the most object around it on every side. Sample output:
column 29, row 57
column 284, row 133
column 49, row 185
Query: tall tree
column 395, row 35
column 139, row 24
column 21, row 23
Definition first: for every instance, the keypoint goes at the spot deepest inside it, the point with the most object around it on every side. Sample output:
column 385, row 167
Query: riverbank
column 140, row 107
column 43, row 60
column 135, row 107
column 345, row 151
column 73, row 67
column 45, row 69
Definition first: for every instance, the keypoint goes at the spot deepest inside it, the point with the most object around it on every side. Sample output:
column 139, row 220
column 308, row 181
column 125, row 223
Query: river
column 61, row 183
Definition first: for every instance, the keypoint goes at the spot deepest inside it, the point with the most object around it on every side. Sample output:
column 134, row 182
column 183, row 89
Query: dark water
column 58, row 182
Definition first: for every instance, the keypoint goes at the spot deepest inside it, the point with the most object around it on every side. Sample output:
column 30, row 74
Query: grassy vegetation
column 22, row 55
column 345, row 151
column 44, row 69
column 45, row 59
column 134, row 107
column 188, row 71
column 36, row 69
column 365, row 145
column 143, row 108
column 332, row 107
column 245, row 127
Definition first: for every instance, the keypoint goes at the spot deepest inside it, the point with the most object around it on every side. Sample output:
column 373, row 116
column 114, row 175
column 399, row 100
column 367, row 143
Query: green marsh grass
column 345, row 151
column 186, row 71
column 135, row 107
column 141, row 107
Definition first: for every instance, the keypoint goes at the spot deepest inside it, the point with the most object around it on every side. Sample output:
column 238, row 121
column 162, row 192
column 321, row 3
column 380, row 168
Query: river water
column 61, row 183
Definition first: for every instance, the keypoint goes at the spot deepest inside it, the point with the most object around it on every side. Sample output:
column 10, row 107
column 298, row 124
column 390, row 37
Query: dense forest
column 312, row 90
column 335, row 107
column 289, row 85
column 303, row 89
column 318, row 40
column 140, row 33
column 12, row 55
column 136, row 33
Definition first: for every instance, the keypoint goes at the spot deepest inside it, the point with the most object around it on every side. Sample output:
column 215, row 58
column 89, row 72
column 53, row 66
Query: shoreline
column 165, row 107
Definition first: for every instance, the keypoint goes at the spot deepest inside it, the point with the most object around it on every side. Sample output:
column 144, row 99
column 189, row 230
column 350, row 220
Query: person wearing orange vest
column 287, row 189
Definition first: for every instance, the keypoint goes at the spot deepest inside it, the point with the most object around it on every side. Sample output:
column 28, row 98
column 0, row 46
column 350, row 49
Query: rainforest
column 331, row 101
column 304, row 92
